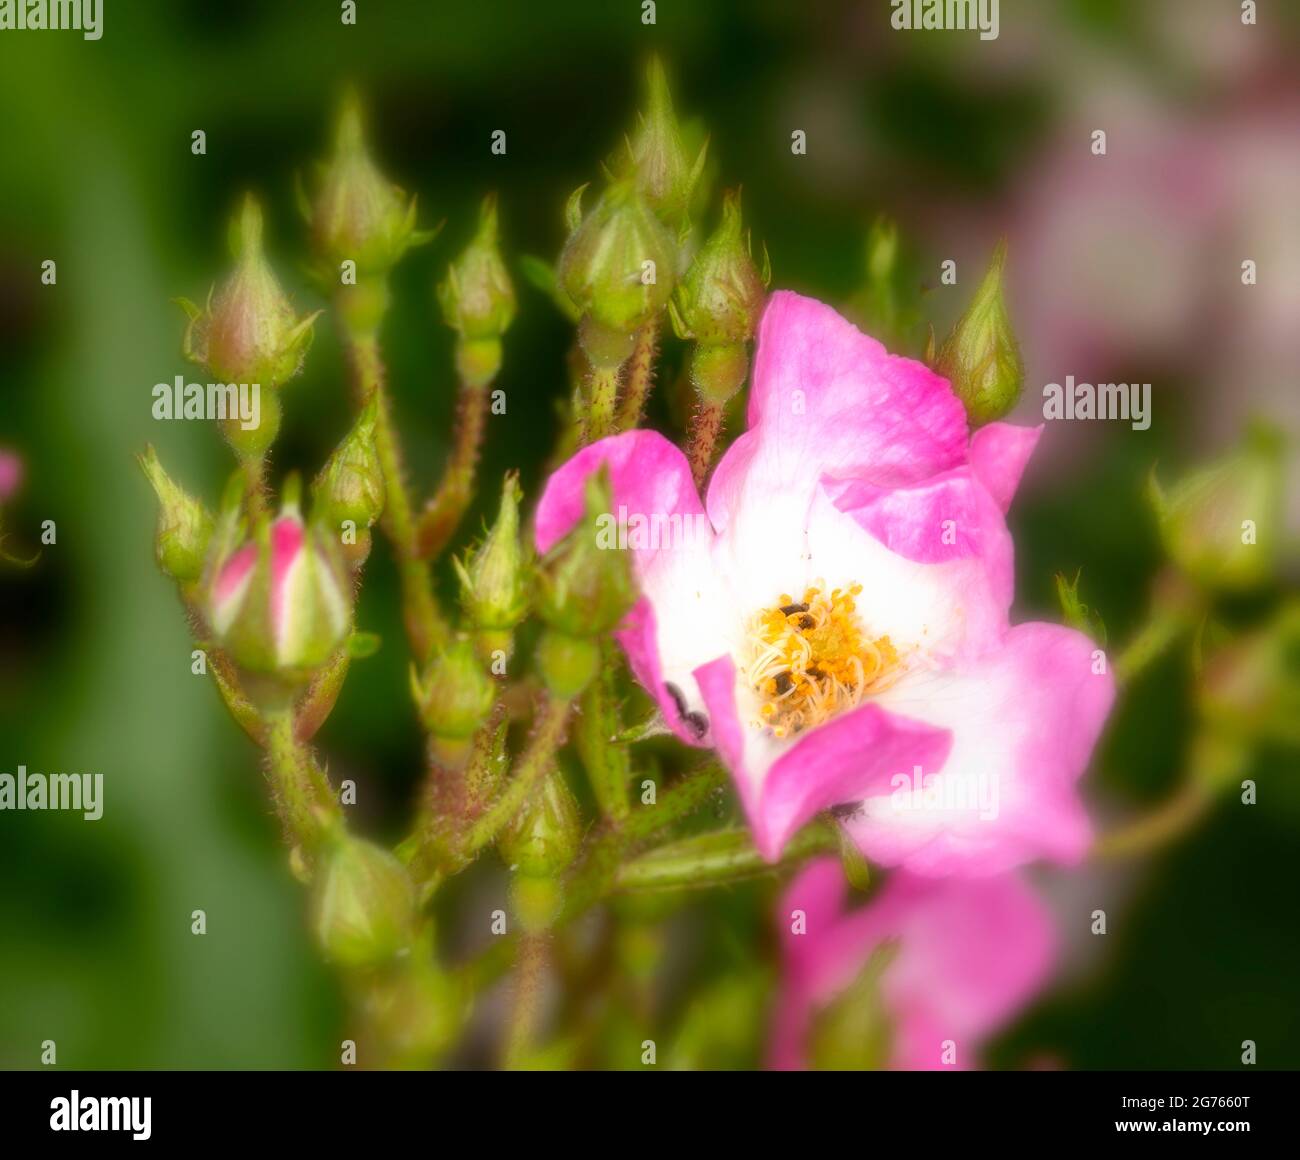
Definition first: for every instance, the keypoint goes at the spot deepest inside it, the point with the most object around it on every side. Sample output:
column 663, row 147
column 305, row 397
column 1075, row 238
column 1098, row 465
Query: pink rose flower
column 964, row 956
column 834, row 618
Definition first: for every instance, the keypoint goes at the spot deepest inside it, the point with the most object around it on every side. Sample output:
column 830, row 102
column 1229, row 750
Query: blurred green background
column 960, row 140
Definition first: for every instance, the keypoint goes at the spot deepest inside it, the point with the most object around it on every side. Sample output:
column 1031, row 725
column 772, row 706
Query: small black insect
column 806, row 622
column 694, row 720
column 791, row 609
column 784, row 683
column 846, row 810
column 816, row 673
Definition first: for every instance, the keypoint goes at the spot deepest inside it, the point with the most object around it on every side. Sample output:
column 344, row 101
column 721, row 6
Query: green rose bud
column 494, row 586
column 981, row 358
column 584, row 588
column 618, row 268
column 356, row 214
column 1221, row 524
column 543, row 838
column 478, row 300
column 456, row 692
column 248, row 331
column 718, row 304
column 351, row 484
column 184, row 525
column 657, row 158
column 363, row 909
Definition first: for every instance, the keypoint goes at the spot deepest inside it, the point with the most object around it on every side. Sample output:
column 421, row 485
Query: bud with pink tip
column 281, row 603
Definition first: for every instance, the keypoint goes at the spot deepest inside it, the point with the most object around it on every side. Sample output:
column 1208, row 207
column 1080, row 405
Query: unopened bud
column 478, row 300
column 718, row 304
column 981, row 358
column 363, row 911
column 544, row 836
column 351, row 484
column 494, row 589
column 455, row 692
column 1221, row 523
column 618, row 268
column 584, row 588
column 248, row 331
column 657, row 156
column 184, row 524
column 356, row 214
column 281, row 603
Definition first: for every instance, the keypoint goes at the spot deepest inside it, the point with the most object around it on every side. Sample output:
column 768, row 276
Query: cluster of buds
column 355, row 213
column 248, row 332
column 478, row 301
column 348, row 495
column 280, row 601
column 981, row 357
column 494, row 578
column 583, row 591
column 718, row 305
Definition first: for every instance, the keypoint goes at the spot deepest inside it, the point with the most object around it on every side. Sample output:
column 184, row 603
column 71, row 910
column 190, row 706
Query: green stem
column 1173, row 817
column 303, row 795
column 640, row 376
column 680, row 799
column 533, row 765
column 525, row 1008
column 711, row 859
column 254, row 467
column 606, row 761
column 424, row 624
column 603, row 386
column 444, row 512
column 1152, row 641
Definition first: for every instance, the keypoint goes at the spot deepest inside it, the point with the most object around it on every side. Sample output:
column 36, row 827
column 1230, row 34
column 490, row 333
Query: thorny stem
column 254, row 467
column 530, row 967
column 640, row 376
column 706, row 427
column 424, row 624
column 444, row 512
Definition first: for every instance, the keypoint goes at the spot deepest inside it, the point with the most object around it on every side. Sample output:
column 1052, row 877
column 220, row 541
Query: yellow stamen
column 811, row 658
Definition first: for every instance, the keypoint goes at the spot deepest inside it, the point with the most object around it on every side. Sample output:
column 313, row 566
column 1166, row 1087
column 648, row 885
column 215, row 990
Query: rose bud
column 248, row 331
column 544, row 837
column 718, row 304
column 351, row 484
column 454, row 695
column 282, row 603
column 494, row 586
column 355, row 213
column 618, row 268
column 364, row 906
column 184, row 524
column 981, row 358
column 657, row 156
column 478, row 301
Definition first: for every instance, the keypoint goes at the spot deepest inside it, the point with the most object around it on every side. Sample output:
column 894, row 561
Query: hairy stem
column 640, row 376
column 706, row 427
column 304, row 798
column 424, row 624
column 444, row 512
column 603, row 385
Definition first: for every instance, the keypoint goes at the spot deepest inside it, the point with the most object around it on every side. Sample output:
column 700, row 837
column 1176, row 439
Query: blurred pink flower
column 834, row 619
column 967, row 956
column 11, row 474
